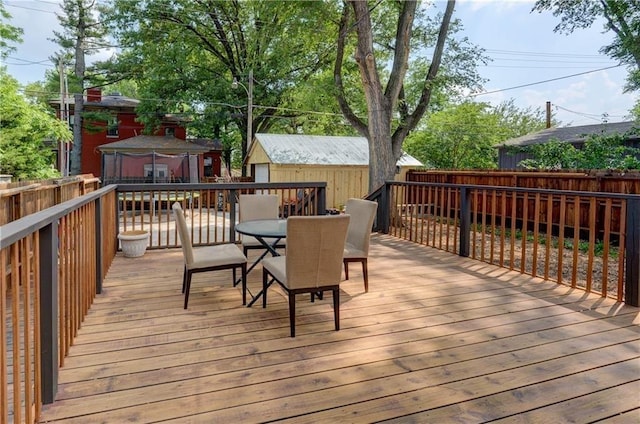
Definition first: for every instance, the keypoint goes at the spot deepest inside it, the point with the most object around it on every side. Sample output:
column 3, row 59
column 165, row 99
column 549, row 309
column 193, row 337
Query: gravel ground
column 584, row 274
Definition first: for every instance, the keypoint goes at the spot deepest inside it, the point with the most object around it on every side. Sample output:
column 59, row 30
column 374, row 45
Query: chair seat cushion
column 219, row 255
column 254, row 242
column 277, row 266
column 352, row 252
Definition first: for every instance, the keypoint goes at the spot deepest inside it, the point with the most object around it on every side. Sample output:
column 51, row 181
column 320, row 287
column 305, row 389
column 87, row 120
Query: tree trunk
column 385, row 143
column 382, row 162
column 380, row 102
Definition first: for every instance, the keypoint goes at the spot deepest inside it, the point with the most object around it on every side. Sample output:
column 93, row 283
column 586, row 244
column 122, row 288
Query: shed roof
column 153, row 143
column 571, row 134
column 300, row 149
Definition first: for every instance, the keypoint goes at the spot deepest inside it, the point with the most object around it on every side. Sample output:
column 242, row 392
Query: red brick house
column 122, row 125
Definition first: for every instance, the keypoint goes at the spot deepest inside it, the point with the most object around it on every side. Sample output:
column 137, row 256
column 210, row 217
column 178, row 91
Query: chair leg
column 244, row 283
column 187, row 288
column 365, row 275
column 346, row 269
column 184, row 278
column 292, row 313
column 336, row 307
column 314, row 294
column 235, row 282
column 265, row 279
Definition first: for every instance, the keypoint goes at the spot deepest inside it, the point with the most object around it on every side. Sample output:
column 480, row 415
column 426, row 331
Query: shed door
column 262, row 173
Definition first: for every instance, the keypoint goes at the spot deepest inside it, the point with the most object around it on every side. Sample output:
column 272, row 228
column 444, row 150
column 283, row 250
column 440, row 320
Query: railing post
column 465, row 221
column 98, row 245
column 322, row 200
column 383, row 209
column 49, row 310
column 232, row 215
column 632, row 248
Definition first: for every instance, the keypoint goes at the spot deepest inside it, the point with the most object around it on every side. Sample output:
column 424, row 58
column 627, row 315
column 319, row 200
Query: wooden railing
column 210, row 209
column 24, row 198
column 534, row 231
column 53, row 262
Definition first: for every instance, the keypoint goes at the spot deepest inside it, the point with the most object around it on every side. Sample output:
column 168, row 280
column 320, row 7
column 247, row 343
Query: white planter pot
column 134, row 243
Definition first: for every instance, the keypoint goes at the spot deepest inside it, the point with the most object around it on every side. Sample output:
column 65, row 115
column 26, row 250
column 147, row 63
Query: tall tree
column 82, row 34
column 464, row 136
column 186, row 53
column 391, row 114
column 24, row 130
column 622, row 17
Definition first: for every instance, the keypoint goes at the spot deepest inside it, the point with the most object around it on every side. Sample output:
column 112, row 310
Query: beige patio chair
column 356, row 249
column 312, row 263
column 258, row 206
column 207, row 258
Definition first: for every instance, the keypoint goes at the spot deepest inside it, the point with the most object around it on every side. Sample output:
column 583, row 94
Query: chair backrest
column 315, row 245
column 258, row 206
column 183, row 232
column 363, row 213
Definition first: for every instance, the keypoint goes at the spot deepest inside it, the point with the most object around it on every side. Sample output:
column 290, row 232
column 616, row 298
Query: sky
column 565, row 70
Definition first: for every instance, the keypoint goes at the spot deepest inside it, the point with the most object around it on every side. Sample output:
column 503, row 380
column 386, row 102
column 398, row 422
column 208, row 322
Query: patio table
column 268, row 232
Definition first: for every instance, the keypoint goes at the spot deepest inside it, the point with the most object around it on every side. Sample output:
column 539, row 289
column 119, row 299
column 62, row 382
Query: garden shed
column 341, row 161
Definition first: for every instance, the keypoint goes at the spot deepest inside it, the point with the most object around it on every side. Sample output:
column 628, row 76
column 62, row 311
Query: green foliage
column 24, row 130
column 598, row 152
column 8, row 33
column 552, row 155
column 313, row 109
column 463, row 136
column 83, row 33
column 184, row 56
column 635, row 112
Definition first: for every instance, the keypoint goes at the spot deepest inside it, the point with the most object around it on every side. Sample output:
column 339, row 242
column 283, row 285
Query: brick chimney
column 94, row 95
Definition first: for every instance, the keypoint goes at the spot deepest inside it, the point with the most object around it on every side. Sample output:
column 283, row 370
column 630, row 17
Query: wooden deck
column 437, row 339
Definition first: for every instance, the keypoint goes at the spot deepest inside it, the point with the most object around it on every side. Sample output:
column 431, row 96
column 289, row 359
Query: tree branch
column 348, row 113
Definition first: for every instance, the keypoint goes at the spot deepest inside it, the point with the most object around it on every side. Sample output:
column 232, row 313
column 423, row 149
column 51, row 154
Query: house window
column 161, row 172
column 112, row 127
column 170, row 131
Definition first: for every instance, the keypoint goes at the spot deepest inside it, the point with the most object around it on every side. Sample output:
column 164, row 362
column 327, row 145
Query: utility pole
column 548, row 114
column 250, row 111
column 62, row 145
column 249, row 90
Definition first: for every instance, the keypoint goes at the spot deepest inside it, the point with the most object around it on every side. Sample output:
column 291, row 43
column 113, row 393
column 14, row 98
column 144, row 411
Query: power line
column 592, row 116
column 544, row 81
column 543, row 54
column 44, row 62
column 32, row 8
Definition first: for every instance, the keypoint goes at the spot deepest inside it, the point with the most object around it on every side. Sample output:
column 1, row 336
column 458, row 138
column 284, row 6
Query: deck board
column 438, row 338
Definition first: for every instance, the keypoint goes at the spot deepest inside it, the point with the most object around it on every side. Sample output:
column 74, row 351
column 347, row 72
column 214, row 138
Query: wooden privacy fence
column 529, row 230
column 53, row 262
column 24, row 198
column 591, row 181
